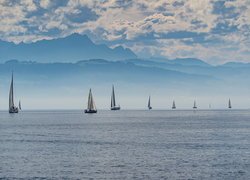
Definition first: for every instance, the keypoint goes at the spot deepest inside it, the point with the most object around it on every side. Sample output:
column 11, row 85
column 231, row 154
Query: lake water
column 125, row 145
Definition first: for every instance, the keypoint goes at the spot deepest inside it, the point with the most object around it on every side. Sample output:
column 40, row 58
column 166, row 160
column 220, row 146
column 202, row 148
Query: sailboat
column 12, row 107
column 194, row 107
column 19, row 105
column 173, row 106
column 91, row 104
column 149, row 103
column 229, row 104
column 113, row 104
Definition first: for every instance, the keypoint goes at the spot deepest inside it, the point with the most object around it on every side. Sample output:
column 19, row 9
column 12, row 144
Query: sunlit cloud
column 207, row 29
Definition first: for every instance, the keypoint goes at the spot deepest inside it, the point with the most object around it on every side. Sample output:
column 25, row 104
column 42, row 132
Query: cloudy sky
column 213, row 30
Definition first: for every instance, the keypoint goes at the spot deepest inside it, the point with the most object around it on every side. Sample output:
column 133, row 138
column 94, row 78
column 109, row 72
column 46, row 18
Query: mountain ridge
column 68, row 49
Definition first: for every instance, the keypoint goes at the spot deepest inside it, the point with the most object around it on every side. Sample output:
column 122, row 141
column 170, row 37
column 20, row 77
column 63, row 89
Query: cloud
column 45, row 4
column 170, row 28
column 142, row 17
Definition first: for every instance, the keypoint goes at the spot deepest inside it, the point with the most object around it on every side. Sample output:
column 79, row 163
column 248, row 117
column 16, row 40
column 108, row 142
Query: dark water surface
column 125, row 145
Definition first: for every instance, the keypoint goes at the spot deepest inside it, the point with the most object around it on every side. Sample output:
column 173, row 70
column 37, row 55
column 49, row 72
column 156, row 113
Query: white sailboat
column 229, row 104
column 12, row 107
column 149, row 103
column 173, row 106
column 19, row 105
column 195, row 106
column 113, row 104
column 91, row 104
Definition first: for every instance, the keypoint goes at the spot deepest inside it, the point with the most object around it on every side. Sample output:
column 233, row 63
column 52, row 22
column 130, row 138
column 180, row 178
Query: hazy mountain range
column 69, row 49
column 56, row 71
column 40, row 83
column 187, row 72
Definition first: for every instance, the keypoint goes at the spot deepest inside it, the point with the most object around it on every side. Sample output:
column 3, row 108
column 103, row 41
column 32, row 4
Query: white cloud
column 140, row 24
column 45, row 3
column 10, row 17
column 135, row 18
column 29, row 5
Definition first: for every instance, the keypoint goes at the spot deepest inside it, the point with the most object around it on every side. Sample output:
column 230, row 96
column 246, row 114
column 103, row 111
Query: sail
column 113, row 97
column 11, row 94
column 20, row 107
column 229, row 104
column 173, row 107
column 149, row 102
column 195, row 104
column 91, row 104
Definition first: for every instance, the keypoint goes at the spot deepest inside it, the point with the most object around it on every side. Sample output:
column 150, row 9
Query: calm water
column 125, row 145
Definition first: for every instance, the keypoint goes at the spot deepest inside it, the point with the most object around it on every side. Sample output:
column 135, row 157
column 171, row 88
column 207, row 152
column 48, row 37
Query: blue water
column 125, row 145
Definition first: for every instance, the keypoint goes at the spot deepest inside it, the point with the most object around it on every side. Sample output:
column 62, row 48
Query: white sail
column 91, row 103
column 91, row 108
column 229, row 104
column 173, row 106
column 195, row 107
column 149, row 103
column 113, row 98
column 19, row 105
column 113, row 102
column 11, row 94
column 12, row 108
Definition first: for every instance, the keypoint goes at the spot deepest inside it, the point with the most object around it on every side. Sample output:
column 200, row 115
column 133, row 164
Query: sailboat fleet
column 91, row 107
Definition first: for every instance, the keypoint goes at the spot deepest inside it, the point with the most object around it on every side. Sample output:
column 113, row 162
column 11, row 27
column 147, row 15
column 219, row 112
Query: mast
column 11, row 94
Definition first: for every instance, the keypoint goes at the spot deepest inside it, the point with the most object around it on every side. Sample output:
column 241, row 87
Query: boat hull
column 13, row 110
column 115, row 108
column 90, row 111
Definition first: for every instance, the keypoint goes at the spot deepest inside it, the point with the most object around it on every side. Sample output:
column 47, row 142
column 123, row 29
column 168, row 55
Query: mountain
column 98, row 73
column 69, row 49
column 182, row 61
column 189, row 62
column 236, row 65
column 191, row 66
column 97, row 70
column 58, row 83
column 175, row 62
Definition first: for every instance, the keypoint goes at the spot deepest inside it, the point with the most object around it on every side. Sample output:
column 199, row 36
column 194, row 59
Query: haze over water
column 125, row 145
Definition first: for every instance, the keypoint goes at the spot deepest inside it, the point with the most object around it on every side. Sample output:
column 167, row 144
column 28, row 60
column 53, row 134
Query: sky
column 216, row 31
